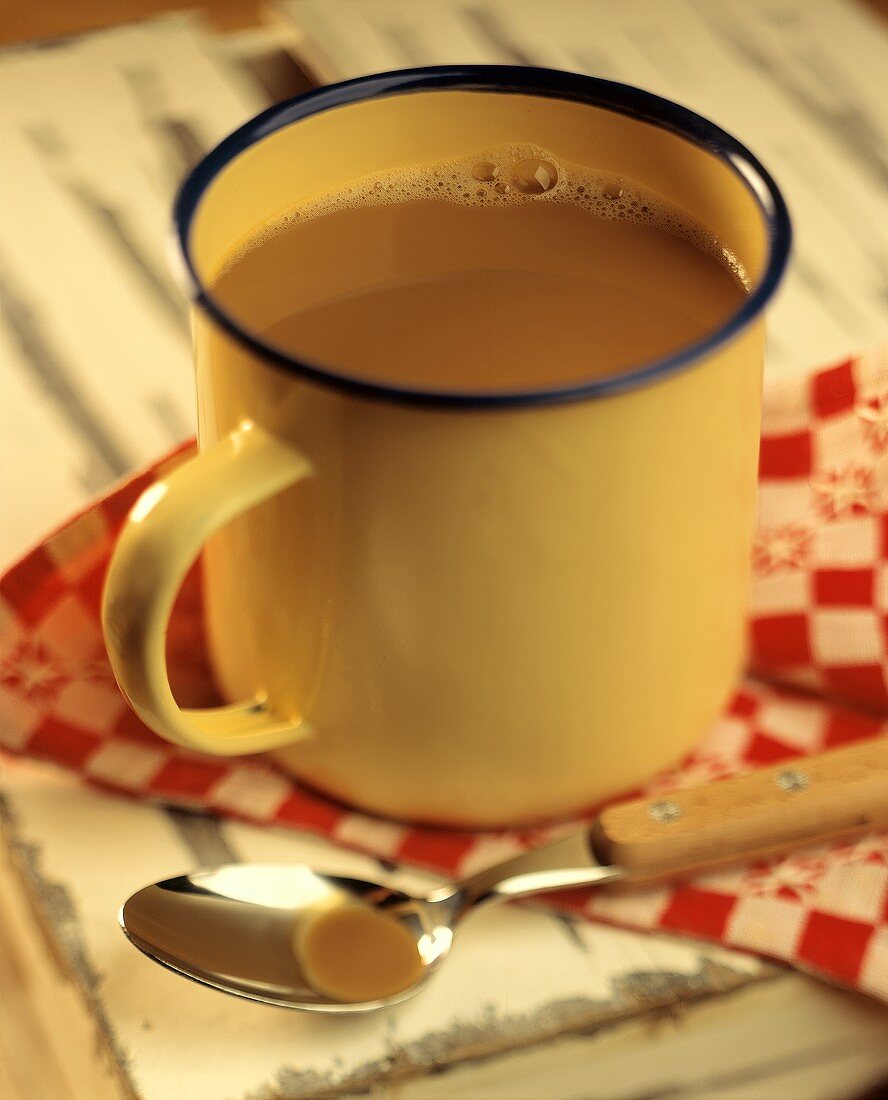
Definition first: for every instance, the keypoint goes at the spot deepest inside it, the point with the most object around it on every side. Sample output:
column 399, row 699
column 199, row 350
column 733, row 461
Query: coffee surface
column 503, row 271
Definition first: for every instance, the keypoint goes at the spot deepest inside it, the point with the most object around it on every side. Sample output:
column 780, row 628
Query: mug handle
column 160, row 540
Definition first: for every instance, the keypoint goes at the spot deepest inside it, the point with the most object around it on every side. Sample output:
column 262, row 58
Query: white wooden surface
column 93, row 137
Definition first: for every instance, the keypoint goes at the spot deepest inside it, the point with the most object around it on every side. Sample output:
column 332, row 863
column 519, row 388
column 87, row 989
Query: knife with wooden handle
column 791, row 805
column 769, row 812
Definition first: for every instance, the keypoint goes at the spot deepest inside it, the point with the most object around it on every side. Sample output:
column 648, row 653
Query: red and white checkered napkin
column 819, row 629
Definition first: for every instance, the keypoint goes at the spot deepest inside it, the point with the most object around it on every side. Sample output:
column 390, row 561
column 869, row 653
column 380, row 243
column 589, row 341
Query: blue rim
column 500, row 79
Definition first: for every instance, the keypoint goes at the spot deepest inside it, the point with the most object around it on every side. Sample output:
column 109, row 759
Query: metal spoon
column 232, row 927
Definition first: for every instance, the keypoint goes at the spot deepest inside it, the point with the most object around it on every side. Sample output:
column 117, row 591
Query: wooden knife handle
column 766, row 812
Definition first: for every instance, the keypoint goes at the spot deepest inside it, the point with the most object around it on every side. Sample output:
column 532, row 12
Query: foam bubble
column 599, row 194
column 534, row 175
column 485, row 170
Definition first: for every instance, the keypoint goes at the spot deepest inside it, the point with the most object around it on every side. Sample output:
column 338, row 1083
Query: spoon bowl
column 232, row 928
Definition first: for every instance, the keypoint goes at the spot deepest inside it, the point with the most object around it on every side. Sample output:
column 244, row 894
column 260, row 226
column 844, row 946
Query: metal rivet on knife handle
column 792, row 779
column 664, row 811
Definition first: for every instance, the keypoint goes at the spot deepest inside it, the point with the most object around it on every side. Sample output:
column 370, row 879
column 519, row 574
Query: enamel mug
column 463, row 609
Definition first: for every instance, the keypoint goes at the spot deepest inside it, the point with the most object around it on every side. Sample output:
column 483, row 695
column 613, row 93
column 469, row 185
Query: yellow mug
column 472, row 610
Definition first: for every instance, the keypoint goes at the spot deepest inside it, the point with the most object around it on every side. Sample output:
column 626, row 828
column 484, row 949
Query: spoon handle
column 791, row 805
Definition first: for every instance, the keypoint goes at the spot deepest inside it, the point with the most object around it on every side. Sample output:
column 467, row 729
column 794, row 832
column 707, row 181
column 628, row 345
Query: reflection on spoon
column 352, row 953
